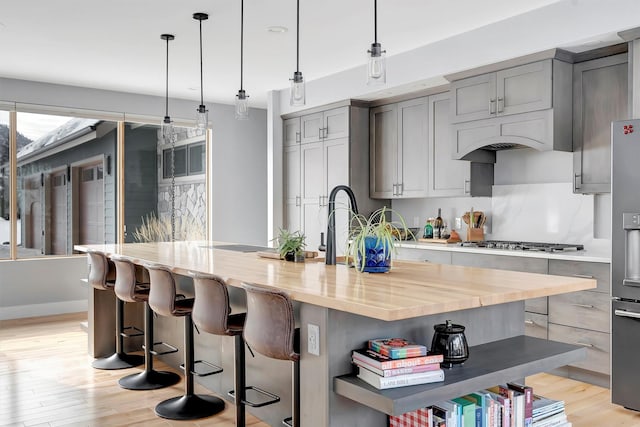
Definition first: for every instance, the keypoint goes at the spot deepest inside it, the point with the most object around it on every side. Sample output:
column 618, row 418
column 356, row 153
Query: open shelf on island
column 488, row 365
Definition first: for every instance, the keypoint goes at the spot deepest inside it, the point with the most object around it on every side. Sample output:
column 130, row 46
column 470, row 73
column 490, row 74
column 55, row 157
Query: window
column 188, row 160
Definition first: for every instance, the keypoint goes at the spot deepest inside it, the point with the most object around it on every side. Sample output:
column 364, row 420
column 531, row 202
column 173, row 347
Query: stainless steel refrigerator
column 625, row 263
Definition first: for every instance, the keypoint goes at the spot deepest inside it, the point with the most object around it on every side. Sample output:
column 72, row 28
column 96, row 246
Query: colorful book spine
column 397, row 371
column 401, row 380
column 383, row 362
column 397, row 348
column 528, row 401
column 468, row 412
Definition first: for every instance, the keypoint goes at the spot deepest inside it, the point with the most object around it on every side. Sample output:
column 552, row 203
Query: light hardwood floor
column 46, row 379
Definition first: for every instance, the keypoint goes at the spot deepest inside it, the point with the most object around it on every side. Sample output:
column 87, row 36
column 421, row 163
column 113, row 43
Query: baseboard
column 38, row 310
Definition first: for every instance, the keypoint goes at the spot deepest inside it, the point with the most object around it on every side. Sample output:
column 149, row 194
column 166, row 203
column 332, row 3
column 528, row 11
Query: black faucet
column 330, row 257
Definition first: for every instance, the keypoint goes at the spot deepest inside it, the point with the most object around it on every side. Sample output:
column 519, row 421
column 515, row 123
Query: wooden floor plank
column 46, row 380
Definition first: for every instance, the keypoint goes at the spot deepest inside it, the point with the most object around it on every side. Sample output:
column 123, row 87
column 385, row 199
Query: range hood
column 543, row 130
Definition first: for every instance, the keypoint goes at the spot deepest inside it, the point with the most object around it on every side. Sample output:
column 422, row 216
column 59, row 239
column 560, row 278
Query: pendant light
column 242, row 99
column 168, row 133
column 376, row 68
column 297, row 83
column 202, row 114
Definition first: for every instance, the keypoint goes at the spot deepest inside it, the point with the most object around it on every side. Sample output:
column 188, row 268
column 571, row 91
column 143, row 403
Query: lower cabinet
column 580, row 318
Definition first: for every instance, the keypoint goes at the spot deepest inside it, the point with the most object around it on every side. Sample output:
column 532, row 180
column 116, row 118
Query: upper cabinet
column 330, row 124
column 291, row 130
column 523, row 106
column 599, row 97
column 515, row 90
column 398, row 150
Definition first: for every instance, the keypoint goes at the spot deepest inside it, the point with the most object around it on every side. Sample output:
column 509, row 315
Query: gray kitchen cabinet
column 599, row 97
column 313, row 169
column 584, row 309
column 399, row 150
column 514, row 90
column 536, row 325
column 291, row 130
column 590, row 270
column 426, row 255
column 330, row 124
column 597, row 345
column 447, row 177
column 532, row 108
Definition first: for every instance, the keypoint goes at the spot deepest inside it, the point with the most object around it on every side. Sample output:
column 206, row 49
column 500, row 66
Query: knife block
column 475, row 234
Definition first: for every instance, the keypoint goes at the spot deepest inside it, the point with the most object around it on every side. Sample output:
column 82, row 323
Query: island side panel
column 344, row 332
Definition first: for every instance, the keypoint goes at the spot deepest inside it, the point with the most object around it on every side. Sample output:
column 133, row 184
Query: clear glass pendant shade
column 297, row 89
column 376, row 66
column 168, row 131
column 202, row 117
column 242, row 105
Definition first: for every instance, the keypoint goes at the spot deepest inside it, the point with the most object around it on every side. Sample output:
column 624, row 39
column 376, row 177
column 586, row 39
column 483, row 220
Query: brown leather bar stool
column 212, row 314
column 270, row 330
column 132, row 286
column 102, row 276
column 164, row 300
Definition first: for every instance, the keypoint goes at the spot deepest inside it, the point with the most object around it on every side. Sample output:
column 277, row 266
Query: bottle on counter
column 437, row 226
column 428, row 229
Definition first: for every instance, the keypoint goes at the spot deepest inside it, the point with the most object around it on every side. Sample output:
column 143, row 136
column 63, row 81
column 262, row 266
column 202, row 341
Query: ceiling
column 116, row 44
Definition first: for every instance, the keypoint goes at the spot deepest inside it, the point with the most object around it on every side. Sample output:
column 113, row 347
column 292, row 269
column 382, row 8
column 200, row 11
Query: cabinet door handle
column 492, row 106
column 625, row 313
column 576, row 186
column 325, row 132
column 297, row 200
column 500, row 105
column 319, row 200
column 298, row 137
column 467, row 186
column 584, row 344
column 583, row 305
column 400, row 189
column 529, row 322
column 583, row 276
column 395, row 191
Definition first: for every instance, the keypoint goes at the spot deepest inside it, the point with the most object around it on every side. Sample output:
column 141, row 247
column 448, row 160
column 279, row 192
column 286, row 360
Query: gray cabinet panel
column 537, row 305
column 584, row 309
column 291, row 131
column 311, row 127
column 599, row 97
column 336, row 123
column 596, row 343
column 427, row 255
column 383, row 128
column 536, row 325
column 413, row 148
column 473, row 98
column 595, row 270
column 530, row 265
column 523, row 89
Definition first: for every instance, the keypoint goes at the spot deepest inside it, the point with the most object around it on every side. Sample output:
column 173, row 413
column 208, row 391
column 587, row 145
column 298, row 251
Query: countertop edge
column 453, row 247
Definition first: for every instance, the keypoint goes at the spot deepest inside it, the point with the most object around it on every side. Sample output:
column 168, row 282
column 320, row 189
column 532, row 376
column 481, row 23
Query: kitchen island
column 351, row 307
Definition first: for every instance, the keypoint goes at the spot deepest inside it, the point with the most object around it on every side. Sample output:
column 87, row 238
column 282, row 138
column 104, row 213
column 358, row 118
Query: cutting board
column 439, row 240
column 276, row 255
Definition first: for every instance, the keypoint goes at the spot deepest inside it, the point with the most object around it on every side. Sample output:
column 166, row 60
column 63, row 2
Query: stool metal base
column 189, row 407
column 149, row 380
column 118, row 361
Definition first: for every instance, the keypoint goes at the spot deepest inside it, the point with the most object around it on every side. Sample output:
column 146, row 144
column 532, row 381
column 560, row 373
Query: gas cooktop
column 523, row 246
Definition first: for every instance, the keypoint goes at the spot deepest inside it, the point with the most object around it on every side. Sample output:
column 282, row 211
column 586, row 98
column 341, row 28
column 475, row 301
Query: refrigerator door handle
column 625, row 313
column 631, row 282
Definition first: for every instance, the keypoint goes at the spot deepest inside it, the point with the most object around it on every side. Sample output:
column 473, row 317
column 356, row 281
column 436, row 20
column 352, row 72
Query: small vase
column 298, row 257
column 377, row 256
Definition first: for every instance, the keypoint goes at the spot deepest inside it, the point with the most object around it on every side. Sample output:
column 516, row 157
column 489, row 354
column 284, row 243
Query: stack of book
column 396, row 362
column 549, row 413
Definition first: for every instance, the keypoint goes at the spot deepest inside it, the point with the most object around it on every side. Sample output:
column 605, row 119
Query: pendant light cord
column 201, row 87
column 375, row 21
column 298, row 37
column 241, row 40
column 166, row 98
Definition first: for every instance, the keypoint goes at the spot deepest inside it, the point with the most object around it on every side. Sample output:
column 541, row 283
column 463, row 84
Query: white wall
column 238, row 187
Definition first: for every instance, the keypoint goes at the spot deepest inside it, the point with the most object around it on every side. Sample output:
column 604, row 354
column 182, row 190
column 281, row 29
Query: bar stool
column 102, row 276
column 164, row 301
column 212, row 314
column 131, row 286
column 270, row 330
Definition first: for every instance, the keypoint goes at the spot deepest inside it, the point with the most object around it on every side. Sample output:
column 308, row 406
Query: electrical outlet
column 313, row 340
column 458, row 223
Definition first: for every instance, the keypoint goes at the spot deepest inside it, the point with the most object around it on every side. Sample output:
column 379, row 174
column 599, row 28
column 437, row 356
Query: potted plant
column 371, row 240
column 291, row 245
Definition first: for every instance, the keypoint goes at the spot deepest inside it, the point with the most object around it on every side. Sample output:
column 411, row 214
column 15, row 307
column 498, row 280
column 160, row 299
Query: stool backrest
column 211, row 306
column 102, row 272
column 162, row 290
column 270, row 325
column 128, row 275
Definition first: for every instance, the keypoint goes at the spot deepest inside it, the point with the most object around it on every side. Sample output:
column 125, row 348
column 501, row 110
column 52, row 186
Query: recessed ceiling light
column 277, row 29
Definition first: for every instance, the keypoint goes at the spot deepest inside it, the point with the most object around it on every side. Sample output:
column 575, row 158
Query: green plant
column 377, row 227
column 290, row 243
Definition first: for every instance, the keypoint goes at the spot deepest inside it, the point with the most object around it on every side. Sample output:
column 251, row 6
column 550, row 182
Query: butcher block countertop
column 410, row 289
